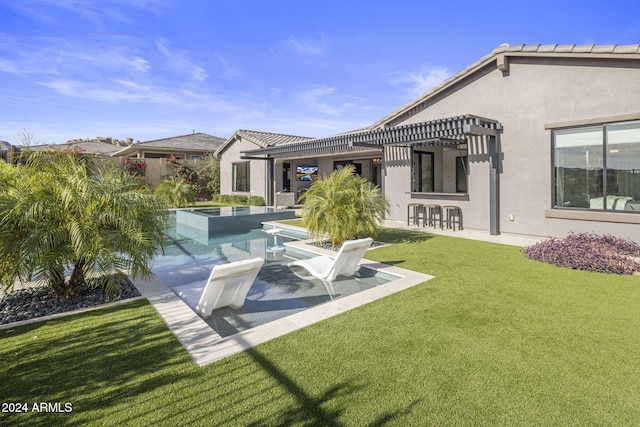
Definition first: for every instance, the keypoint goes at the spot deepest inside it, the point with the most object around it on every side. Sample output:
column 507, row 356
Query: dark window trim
column 432, row 159
column 234, row 176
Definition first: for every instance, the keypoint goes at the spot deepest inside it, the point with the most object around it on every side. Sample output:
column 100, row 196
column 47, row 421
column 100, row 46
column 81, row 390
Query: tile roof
column 89, row 147
column 195, row 141
column 261, row 139
column 570, row 48
column 532, row 50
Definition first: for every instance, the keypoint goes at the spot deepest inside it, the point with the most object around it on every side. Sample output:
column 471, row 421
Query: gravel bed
column 31, row 303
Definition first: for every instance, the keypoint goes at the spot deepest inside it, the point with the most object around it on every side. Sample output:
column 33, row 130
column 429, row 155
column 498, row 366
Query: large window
column 240, row 173
column 422, row 172
column 598, row 167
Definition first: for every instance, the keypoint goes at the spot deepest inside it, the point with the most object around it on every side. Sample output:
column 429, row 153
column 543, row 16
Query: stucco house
column 191, row 149
column 193, row 146
column 242, row 175
column 531, row 139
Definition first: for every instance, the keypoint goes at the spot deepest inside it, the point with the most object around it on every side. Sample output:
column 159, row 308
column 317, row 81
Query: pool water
column 277, row 292
column 210, row 222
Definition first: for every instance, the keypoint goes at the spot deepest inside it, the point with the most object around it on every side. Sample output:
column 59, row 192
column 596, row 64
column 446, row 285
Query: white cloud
column 114, row 91
column 227, row 68
column 54, row 56
column 88, row 10
column 326, row 100
column 419, row 81
column 307, row 46
column 180, row 61
column 140, row 64
column 128, row 91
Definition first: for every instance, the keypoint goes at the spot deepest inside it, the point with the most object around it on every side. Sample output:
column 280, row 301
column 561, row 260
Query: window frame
column 462, row 165
column 605, row 128
column 431, row 155
column 247, row 177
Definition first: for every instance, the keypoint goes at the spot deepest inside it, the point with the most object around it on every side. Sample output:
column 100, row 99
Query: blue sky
column 150, row 69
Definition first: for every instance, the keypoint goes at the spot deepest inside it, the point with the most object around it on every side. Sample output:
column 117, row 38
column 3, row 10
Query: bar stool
column 414, row 211
column 452, row 215
column 433, row 215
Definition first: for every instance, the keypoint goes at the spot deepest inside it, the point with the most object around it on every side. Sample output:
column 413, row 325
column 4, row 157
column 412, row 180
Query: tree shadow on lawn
column 121, row 364
column 393, row 235
column 95, row 362
column 309, row 410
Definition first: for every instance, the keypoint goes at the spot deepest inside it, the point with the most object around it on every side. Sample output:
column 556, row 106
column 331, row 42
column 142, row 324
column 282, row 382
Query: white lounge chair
column 228, row 285
column 344, row 264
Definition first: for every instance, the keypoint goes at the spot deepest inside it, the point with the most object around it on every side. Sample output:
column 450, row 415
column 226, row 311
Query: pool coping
column 205, row 345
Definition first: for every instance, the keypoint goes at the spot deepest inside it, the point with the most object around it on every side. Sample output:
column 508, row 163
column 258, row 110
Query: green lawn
column 495, row 339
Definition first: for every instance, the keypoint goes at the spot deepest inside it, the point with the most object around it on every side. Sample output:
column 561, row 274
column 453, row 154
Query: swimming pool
column 278, row 292
column 209, row 222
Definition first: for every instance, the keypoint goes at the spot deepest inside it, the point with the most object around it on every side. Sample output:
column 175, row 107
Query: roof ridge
column 182, row 136
column 569, row 48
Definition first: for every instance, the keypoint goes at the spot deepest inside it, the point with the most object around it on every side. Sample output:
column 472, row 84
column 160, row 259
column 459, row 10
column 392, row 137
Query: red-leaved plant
column 590, row 252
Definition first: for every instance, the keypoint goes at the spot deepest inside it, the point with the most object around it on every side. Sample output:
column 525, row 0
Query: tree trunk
column 56, row 281
column 76, row 282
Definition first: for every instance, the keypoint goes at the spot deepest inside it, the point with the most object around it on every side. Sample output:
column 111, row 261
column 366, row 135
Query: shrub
column 64, row 213
column 135, row 168
column 209, row 176
column 175, row 192
column 183, row 170
column 256, row 201
column 589, row 252
column 344, row 206
column 237, row 199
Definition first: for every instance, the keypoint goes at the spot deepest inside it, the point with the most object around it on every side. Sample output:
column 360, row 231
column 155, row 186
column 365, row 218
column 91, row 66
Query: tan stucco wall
column 156, row 170
column 524, row 99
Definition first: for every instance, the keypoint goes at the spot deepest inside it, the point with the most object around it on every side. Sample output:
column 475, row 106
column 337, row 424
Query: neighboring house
column 194, row 146
column 6, row 151
column 244, row 176
column 102, row 147
column 191, row 149
column 97, row 146
column 531, row 139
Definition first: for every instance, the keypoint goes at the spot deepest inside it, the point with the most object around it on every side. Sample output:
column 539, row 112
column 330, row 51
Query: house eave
column 499, row 58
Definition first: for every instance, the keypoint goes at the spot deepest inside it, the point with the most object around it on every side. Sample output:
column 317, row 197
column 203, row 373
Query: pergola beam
column 434, row 131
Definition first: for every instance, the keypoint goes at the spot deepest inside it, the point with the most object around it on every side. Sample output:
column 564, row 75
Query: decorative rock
column 31, row 303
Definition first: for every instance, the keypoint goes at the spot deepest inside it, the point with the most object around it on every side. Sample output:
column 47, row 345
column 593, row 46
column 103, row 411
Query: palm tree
column 60, row 211
column 344, row 206
column 176, row 192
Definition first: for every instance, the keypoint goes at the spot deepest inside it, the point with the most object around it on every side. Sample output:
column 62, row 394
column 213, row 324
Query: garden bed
column 589, row 252
column 33, row 302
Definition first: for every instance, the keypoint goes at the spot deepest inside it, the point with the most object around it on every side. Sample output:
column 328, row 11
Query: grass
column 495, row 339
